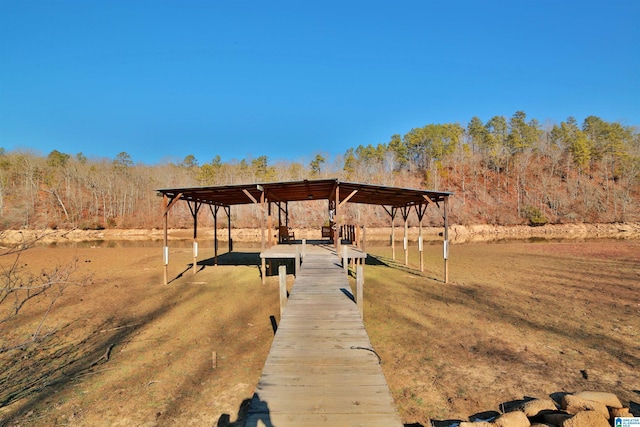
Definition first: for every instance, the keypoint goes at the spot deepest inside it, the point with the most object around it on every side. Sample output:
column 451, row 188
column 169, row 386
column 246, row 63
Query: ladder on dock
column 321, row 369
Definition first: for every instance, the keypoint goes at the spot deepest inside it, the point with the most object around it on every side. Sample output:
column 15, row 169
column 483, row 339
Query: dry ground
column 517, row 319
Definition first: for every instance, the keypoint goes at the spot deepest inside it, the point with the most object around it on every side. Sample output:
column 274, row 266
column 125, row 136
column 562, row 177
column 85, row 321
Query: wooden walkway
column 321, row 369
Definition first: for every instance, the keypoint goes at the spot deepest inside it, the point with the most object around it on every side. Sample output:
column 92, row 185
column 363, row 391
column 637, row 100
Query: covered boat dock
column 278, row 195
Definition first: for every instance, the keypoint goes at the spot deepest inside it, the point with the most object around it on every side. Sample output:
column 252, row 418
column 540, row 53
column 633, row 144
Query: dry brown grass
column 517, row 320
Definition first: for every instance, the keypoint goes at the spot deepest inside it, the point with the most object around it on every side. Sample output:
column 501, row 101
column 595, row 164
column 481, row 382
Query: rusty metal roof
column 321, row 189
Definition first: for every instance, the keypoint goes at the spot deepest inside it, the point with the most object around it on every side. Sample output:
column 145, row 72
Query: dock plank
column 321, row 369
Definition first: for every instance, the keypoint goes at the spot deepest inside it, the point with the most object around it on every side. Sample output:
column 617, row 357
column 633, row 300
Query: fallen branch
column 119, row 327
column 105, row 356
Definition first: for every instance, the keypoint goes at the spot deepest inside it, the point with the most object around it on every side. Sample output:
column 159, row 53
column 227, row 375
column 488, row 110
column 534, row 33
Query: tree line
column 503, row 171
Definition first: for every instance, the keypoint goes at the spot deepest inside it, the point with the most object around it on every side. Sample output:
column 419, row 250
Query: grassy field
column 516, row 320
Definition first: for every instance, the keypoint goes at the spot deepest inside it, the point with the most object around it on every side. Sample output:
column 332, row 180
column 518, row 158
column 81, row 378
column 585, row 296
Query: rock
column 484, row 416
column 512, row 419
column 586, row 419
column 533, row 407
column 556, row 418
column 620, row 412
column 574, row 404
column 608, row 399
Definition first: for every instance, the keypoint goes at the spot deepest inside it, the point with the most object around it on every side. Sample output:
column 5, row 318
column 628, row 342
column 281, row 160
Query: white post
column 360, row 289
column 282, row 275
column 304, row 247
column 195, row 256
column 345, row 260
column 421, row 253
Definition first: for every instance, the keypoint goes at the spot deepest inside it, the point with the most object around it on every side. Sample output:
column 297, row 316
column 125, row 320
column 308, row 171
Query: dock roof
column 293, row 191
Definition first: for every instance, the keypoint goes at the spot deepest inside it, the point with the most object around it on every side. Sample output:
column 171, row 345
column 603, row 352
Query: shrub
column 535, row 216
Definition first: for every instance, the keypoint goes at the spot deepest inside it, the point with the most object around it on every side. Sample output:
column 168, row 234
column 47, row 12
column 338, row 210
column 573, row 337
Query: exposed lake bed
column 517, row 319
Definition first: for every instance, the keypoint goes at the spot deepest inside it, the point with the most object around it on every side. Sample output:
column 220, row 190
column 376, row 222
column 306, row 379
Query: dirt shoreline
column 457, row 233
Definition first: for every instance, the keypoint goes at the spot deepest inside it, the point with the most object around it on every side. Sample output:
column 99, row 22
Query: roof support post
column 165, row 246
column 263, row 213
column 286, row 214
column 279, row 206
column 420, row 245
column 195, row 242
column 269, row 224
column 168, row 204
column 280, row 209
column 420, row 211
column 215, row 236
column 446, row 239
column 195, row 208
column 227, row 209
column 338, row 220
column 392, row 214
column 405, row 239
column 214, row 212
column 393, row 234
column 364, row 238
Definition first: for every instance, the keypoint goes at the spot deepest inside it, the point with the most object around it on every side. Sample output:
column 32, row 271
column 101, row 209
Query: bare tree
column 20, row 288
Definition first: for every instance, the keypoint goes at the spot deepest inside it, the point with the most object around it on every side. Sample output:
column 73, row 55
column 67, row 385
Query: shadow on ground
column 397, row 265
column 233, row 258
column 249, row 259
column 36, row 373
column 258, row 413
column 245, row 406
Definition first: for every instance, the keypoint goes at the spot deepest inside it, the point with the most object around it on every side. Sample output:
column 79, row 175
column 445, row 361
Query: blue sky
column 163, row 79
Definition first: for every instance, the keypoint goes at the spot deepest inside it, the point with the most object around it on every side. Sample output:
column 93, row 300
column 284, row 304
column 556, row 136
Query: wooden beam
column 353, row 193
column 253, row 199
column 174, row 200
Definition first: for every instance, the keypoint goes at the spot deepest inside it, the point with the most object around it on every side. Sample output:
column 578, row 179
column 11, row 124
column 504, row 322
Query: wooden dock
column 321, row 369
column 298, row 251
